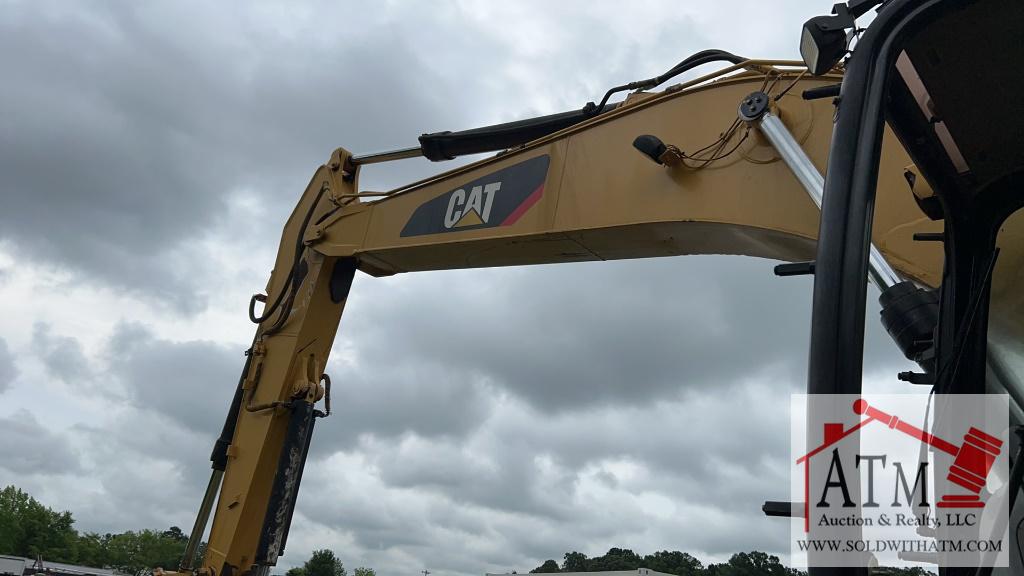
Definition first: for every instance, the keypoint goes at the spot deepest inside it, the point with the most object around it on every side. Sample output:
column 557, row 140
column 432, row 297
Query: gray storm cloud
column 136, row 123
column 30, row 447
column 8, row 369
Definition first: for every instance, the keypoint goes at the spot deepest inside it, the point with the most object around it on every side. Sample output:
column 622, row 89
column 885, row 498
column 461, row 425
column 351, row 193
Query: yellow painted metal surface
column 285, row 365
column 603, row 200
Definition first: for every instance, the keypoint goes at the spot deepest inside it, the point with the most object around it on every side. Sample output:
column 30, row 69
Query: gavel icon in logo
column 972, row 461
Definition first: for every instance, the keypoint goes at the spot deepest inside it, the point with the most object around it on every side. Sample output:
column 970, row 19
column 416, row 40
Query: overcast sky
column 149, row 155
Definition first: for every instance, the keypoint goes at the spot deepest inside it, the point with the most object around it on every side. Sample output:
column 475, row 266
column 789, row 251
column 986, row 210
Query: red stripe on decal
column 530, row 201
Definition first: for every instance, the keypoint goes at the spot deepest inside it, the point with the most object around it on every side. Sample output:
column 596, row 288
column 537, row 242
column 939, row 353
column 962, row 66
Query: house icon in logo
column 972, row 460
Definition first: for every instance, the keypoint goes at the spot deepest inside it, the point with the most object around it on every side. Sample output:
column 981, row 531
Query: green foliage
column 669, row 562
column 92, row 550
column 27, row 528
column 175, row 533
column 674, row 562
column 750, row 564
column 575, row 562
column 616, row 559
column 30, row 529
column 324, row 563
column 549, row 566
column 139, row 552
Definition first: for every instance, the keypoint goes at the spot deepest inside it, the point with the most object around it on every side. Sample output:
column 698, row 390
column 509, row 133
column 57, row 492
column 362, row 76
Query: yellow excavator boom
column 580, row 194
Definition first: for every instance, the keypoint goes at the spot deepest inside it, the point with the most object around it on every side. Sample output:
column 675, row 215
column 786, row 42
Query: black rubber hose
column 290, row 281
column 449, row 145
column 269, row 311
column 219, row 455
column 691, row 62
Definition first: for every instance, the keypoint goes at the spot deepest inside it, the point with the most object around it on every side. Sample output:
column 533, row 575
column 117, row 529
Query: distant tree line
column 30, row 529
column 325, row 563
column 674, row 562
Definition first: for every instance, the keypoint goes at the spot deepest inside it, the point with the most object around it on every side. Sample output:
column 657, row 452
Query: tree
column 750, row 564
column 200, row 554
column 674, row 562
column 615, row 559
column 548, row 567
column 324, row 563
column 175, row 533
column 27, row 528
column 92, row 550
column 137, row 553
column 575, row 562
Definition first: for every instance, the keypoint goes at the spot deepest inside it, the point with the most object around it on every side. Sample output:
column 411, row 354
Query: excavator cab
column 942, row 75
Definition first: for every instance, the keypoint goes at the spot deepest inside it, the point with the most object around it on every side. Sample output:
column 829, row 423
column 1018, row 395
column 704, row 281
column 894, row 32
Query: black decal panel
column 497, row 199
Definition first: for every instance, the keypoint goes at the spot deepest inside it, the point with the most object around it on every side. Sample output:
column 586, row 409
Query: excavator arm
column 581, row 193
column 585, row 193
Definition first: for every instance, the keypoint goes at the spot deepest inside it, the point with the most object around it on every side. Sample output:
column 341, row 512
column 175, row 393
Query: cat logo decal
column 497, row 199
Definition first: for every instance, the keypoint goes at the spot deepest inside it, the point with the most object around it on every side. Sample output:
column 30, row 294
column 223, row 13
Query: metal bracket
column 783, row 509
column 754, row 106
column 880, row 273
column 795, row 269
